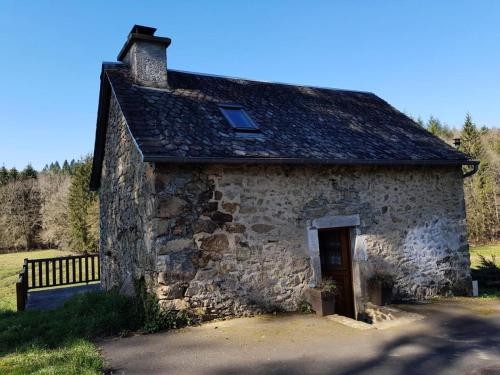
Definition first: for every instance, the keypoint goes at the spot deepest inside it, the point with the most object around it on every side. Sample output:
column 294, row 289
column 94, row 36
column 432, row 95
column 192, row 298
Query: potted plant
column 380, row 289
column 322, row 297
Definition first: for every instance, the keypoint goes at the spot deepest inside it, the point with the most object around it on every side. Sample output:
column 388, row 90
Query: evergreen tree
column 479, row 190
column 57, row 167
column 46, row 168
column 4, row 176
column 471, row 139
column 29, row 172
column 66, row 168
column 13, row 174
column 72, row 165
column 438, row 129
column 420, row 122
column 81, row 202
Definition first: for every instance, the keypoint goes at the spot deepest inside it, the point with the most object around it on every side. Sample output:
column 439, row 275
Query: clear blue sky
column 438, row 58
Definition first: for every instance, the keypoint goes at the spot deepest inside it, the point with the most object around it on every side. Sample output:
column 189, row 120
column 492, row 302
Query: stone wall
column 126, row 209
column 233, row 240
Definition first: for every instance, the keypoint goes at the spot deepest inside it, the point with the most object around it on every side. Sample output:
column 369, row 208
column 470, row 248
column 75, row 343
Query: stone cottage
column 230, row 196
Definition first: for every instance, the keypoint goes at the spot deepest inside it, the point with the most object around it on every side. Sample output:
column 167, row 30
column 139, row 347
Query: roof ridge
column 270, row 82
column 113, row 63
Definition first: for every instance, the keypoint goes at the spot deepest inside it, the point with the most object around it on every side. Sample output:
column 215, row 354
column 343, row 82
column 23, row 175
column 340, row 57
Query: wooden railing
column 50, row 272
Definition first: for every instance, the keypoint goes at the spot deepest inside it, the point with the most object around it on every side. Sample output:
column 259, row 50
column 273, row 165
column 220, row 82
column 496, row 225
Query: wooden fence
column 51, row 272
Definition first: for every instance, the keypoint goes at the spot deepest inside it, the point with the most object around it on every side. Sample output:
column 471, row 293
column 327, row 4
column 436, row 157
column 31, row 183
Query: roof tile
column 296, row 122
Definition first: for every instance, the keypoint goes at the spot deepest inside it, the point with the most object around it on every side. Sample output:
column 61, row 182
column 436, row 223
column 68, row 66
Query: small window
column 238, row 118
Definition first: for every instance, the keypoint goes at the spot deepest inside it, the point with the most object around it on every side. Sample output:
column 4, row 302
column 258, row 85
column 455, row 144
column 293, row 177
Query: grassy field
column 484, row 250
column 75, row 356
column 10, row 266
column 61, row 341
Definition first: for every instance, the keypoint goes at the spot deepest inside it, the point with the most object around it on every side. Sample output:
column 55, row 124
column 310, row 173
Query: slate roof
column 298, row 124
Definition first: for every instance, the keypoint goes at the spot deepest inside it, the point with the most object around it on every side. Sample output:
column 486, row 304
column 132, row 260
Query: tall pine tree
column 29, row 172
column 13, row 174
column 66, row 168
column 81, row 205
column 437, row 128
column 4, row 176
column 480, row 188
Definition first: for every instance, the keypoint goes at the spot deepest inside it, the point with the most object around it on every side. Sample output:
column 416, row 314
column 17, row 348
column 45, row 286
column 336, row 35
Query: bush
column 488, row 275
column 156, row 319
column 305, row 307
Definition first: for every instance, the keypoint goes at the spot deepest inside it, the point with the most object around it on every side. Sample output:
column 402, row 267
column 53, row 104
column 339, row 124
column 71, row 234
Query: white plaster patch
column 429, row 252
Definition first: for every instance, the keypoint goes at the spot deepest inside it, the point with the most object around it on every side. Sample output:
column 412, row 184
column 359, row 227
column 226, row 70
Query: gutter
column 475, row 168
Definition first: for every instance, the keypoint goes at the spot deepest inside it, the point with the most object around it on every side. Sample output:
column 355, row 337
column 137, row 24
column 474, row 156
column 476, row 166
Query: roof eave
column 157, row 158
column 100, row 135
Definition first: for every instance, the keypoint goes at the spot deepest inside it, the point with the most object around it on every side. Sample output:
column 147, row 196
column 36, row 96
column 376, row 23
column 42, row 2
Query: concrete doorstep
column 383, row 317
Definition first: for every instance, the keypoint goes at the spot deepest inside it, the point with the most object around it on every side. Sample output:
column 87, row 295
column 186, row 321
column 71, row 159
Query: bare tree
column 54, row 190
column 20, row 204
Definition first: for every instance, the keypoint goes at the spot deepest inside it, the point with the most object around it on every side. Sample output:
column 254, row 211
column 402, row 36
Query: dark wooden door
column 335, row 255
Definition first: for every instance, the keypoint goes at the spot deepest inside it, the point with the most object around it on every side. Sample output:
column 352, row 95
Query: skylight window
column 238, row 118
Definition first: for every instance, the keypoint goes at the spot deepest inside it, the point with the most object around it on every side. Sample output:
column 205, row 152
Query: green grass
column 484, row 250
column 78, row 357
column 10, row 266
column 60, row 341
column 487, row 251
column 493, row 294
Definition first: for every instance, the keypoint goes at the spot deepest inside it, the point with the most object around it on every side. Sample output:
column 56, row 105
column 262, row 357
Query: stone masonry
column 232, row 239
column 126, row 209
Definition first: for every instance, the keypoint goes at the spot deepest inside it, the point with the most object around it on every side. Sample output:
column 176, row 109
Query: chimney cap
column 144, row 30
column 144, row 33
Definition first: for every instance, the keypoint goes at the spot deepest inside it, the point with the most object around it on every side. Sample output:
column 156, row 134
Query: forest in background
column 53, row 208
column 482, row 190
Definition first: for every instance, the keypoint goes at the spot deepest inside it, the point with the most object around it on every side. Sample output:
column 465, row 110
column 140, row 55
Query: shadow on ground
column 453, row 339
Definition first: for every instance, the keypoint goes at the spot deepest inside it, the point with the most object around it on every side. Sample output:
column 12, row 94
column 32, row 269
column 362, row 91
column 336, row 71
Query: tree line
column 482, row 190
column 50, row 208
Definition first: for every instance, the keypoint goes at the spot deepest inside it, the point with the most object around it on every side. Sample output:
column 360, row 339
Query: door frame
column 357, row 248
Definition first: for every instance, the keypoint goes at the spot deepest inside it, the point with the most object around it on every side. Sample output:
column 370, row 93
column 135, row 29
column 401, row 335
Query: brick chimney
column 146, row 55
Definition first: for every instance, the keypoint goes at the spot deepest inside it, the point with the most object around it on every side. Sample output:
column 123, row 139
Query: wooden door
column 335, row 256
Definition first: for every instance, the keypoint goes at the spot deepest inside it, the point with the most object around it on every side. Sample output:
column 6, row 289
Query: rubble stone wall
column 232, row 239
column 126, row 198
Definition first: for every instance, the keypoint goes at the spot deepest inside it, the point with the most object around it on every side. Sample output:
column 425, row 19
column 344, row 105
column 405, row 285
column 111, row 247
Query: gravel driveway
column 460, row 336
